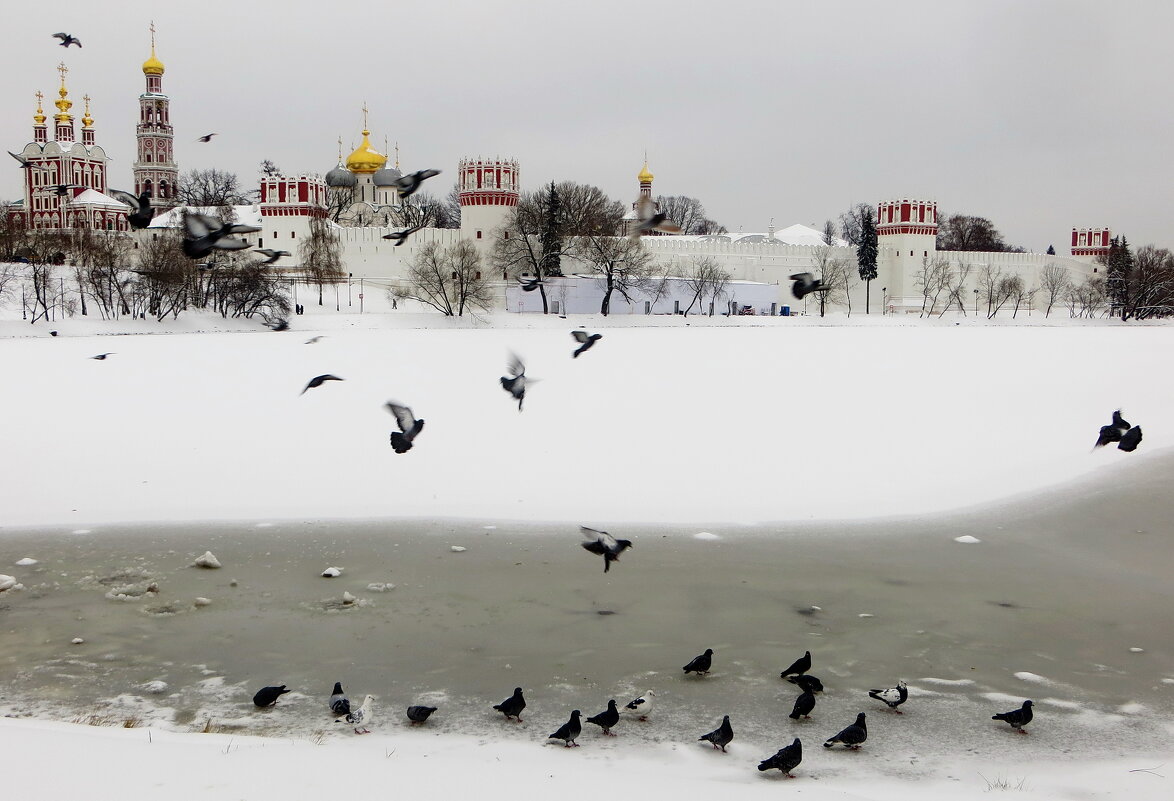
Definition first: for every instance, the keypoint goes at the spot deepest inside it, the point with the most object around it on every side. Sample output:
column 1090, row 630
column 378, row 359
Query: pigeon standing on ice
column 67, row 40
column 893, row 697
column 512, row 707
column 1114, row 431
column 641, row 705
column 272, row 255
column 585, row 340
column 648, row 219
column 515, row 382
column 852, row 737
column 267, row 696
column 603, row 544
column 805, row 284
column 319, row 380
column 569, row 731
column 700, row 664
column 206, row 137
column 1017, row 718
column 786, row 759
column 803, row 705
column 606, row 719
column 402, row 236
column 419, row 714
column 721, row 736
column 359, row 718
column 799, row 666
column 407, row 185
column 143, row 212
column 409, row 427
column 807, row 682
column 339, row 703
column 203, row 234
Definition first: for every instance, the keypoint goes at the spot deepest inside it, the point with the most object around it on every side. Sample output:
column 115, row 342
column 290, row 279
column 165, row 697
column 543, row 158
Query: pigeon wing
column 582, row 337
column 126, row 197
column 403, row 416
column 516, row 367
column 602, row 537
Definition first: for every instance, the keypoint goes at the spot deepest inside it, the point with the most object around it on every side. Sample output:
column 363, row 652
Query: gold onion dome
column 645, row 176
column 87, row 120
column 39, row 117
column 365, row 159
column 152, row 66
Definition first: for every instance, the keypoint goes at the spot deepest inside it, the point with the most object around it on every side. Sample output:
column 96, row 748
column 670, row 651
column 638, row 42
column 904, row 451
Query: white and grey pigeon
column 142, row 213
column 272, row 255
column 203, row 234
column 1017, row 718
column 402, row 236
column 67, row 40
column 409, row 427
column 640, row 705
column 515, row 382
column 649, row 219
column 408, row 184
column 339, row 703
column 804, row 284
column 585, row 340
column 603, row 544
column 361, row 717
column 892, row 697
column 851, row 737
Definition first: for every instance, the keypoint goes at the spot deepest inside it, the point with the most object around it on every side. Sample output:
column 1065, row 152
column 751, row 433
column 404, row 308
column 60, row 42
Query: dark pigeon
column 402, row 236
column 721, row 736
column 807, row 682
column 803, row 705
column 852, row 737
column 206, row 137
column 1114, row 431
column 339, row 703
column 648, row 219
column 67, row 40
column 893, row 697
column 419, row 714
column 408, row 184
column 1017, row 718
column 700, row 664
column 585, row 340
column 61, row 190
column 529, row 284
column 606, row 719
column 569, row 731
column 409, row 427
column 101, row 356
column 515, row 382
column 25, row 164
column 277, row 325
column 805, row 284
column 603, row 544
column 1131, row 439
column 203, row 234
column 142, row 213
column 799, row 666
column 272, row 255
column 319, row 380
column 267, row 696
column 512, row 707
column 786, row 759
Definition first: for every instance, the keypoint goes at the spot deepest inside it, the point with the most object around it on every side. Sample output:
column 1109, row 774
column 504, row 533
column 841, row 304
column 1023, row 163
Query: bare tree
column 705, row 276
column 1151, row 283
column 967, row 232
column 1000, row 291
column 1021, row 295
column 955, row 285
column 212, row 187
column 829, row 233
column 447, row 279
column 852, row 222
column 519, row 247
column 622, row 264
column 242, row 286
column 320, row 255
column 688, row 213
column 339, row 200
column 1055, row 283
column 425, row 210
column 1088, row 297
column 933, row 279
column 269, row 169
column 832, row 273
column 587, row 211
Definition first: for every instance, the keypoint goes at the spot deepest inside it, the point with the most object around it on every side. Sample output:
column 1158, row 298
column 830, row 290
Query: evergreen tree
column 1051, row 250
column 551, row 238
column 1118, row 264
column 866, row 252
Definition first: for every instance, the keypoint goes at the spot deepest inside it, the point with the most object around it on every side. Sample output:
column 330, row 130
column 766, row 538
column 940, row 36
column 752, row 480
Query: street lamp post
column 884, row 300
column 976, row 303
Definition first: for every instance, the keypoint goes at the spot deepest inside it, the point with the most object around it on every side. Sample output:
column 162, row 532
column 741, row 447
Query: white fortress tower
column 489, row 190
column 908, row 231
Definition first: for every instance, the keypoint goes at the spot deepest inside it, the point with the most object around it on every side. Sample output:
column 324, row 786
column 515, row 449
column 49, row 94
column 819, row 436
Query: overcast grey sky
column 1038, row 114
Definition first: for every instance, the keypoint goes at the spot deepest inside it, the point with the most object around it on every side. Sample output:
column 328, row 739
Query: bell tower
column 155, row 170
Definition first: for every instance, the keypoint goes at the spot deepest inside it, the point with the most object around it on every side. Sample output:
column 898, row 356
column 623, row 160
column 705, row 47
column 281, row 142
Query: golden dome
column 87, row 120
column 365, row 159
column 152, row 66
column 645, row 177
column 39, row 117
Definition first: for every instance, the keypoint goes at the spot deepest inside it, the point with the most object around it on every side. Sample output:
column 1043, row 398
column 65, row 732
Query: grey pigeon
column 409, row 427
column 512, row 707
column 408, row 184
column 203, row 234
column 1130, row 439
column 25, row 164
column 267, row 696
column 807, row 682
column 569, row 731
column 786, row 759
column 721, row 736
column 142, row 213
column 359, row 718
column 1114, row 431
column 319, row 380
column 339, row 703
column 603, row 544
column 402, row 236
column 700, row 664
column 67, row 40
column 206, row 137
column 515, row 382
column 315, row 340
column 648, row 219
column 272, row 255
column 1017, row 718
column 799, row 666
column 279, row 324
column 606, row 719
column 804, row 284
column 585, row 340
column 419, row 714
column 893, row 697
column 851, row 737
column 803, row 705
column 641, row 705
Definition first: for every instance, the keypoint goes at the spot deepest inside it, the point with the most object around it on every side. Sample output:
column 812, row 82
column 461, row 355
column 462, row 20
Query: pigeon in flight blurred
column 267, row 696
column 407, row 185
column 277, row 325
column 640, row 705
column 339, row 703
column 409, row 427
column 25, row 164
column 807, row 682
column 142, row 213
column 603, row 544
column 893, row 697
column 700, row 664
column 314, row 340
column 419, row 714
column 515, row 382
column 1130, row 439
column 512, row 707
column 786, row 759
column 649, row 219
column 606, row 719
column 401, row 236
column 1114, row 431
column 101, row 356
column 852, row 737
column 1017, row 718
column 61, row 190
column 569, row 731
column 359, row 718
column 203, row 234
column 67, row 40
column 272, row 255
column 319, row 380
column 799, row 666
column 207, row 137
column 805, row 284
column 721, row 736
column 529, row 283
column 585, row 340
column 803, row 705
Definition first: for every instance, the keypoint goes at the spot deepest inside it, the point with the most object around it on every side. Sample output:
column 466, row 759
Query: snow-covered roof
column 797, row 234
column 92, row 197
column 173, row 218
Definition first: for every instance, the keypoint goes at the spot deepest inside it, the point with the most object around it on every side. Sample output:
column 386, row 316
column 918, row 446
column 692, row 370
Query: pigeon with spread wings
column 409, row 427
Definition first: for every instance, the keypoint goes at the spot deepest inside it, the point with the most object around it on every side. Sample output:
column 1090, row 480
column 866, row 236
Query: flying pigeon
column 649, row 219
column 799, row 666
column 641, row 705
column 786, row 759
column 101, row 356
column 1018, row 718
column 894, row 696
column 61, row 190
column 207, row 137
column 272, row 255
column 314, row 340
column 603, row 544
column 267, row 696
column 512, row 707
column 408, row 184
column 359, row 718
column 807, row 682
column 25, row 164
column 515, row 382
column 700, row 664
column 529, row 284
column 1131, row 439
column 319, row 380
column 143, row 213
column 419, row 714
column 569, row 731
column 409, row 427
column 606, row 719
column 852, row 736
column 339, row 703
column 585, row 340
column 67, row 40
column 721, row 736
column 279, row 324
column 803, row 705
column 203, row 234
column 1114, row 431
column 805, row 284
column 402, row 236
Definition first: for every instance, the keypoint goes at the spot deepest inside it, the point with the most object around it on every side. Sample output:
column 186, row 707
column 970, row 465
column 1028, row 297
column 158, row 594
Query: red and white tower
column 907, row 232
column 1091, row 242
column 155, row 170
column 488, row 190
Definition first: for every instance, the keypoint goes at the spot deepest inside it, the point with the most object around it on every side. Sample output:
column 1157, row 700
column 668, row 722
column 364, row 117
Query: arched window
column 148, row 186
